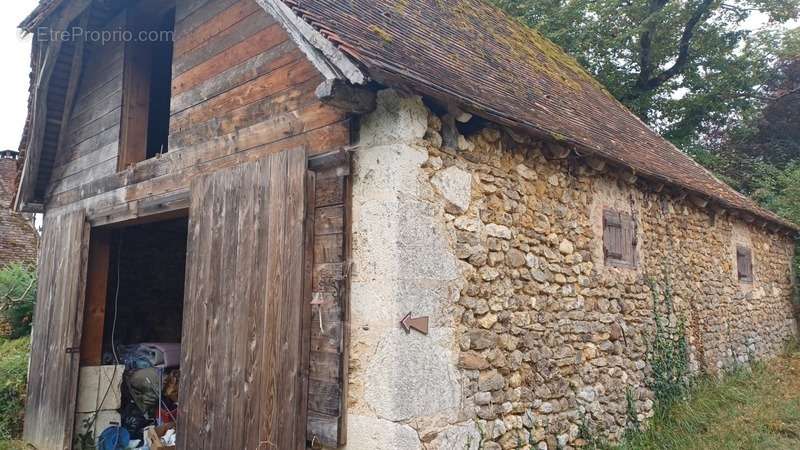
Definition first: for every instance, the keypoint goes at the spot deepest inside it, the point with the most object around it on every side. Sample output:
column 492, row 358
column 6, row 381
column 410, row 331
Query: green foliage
column 590, row 435
column 756, row 408
column 17, row 300
column 668, row 351
column 85, row 440
column 14, row 445
column 632, row 424
column 634, row 48
column 13, row 380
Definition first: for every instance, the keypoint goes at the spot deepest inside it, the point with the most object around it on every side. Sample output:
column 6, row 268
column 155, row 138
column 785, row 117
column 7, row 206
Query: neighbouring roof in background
column 473, row 54
column 20, row 240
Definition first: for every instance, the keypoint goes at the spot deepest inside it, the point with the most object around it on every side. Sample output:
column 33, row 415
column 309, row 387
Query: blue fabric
column 114, row 438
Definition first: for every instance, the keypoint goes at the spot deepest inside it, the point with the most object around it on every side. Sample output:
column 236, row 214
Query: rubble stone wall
column 531, row 334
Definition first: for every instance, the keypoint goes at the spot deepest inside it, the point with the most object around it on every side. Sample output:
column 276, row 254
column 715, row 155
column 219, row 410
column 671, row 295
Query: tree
column 752, row 154
column 687, row 67
column 17, row 300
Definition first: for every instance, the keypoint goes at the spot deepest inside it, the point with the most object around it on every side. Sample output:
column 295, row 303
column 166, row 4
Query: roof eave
column 420, row 86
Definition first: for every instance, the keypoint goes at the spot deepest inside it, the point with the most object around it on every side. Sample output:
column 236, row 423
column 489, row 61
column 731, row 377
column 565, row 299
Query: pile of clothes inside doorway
column 149, row 390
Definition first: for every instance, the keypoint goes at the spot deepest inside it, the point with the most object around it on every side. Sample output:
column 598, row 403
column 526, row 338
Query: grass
column 13, row 372
column 755, row 408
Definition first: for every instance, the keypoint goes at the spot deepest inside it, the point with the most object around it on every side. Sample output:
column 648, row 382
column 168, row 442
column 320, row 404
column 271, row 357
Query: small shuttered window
column 744, row 263
column 619, row 239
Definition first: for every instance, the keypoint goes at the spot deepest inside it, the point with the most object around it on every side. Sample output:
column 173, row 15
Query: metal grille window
column 619, row 239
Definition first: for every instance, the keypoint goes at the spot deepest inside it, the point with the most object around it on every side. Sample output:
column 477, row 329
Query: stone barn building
column 19, row 240
column 369, row 224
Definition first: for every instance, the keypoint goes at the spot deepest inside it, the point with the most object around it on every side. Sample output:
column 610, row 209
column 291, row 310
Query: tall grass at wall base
column 748, row 408
column 13, row 380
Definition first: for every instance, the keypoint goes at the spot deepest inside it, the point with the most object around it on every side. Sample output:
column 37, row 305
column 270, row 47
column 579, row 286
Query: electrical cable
column 113, row 348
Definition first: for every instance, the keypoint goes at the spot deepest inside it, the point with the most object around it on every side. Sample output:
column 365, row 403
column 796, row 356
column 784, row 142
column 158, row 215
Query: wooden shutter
column 744, row 263
column 628, row 239
column 619, row 238
column 612, row 235
column 54, row 363
column 242, row 385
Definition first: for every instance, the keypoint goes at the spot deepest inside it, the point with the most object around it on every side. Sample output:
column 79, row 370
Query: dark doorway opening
column 133, row 323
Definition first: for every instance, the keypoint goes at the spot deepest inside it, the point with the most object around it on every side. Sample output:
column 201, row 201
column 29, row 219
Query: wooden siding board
column 49, row 410
column 175, row 170
column 265, row 62
column 192, row 13
column 237, row 54
column 201, row 33
column 294, row 75
column 251, row 25
column 277, row 109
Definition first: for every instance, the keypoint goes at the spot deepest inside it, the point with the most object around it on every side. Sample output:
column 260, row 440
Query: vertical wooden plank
column 96, row 296
column 241, row 357
column 49, row 413
column 196, row 318
column 258, row 279
column 135, row 101
column 328, row 364
column 230, row 303
column 246, row 286
column 295, row 302
column 76, row 312
column 345, row 303
column 308, row 296
column 276, row 284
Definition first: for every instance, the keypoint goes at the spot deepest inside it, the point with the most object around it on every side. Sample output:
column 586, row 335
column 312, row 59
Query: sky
column 16, row 68
column 16, row 55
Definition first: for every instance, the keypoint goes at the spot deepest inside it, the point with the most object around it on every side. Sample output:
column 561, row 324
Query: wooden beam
column 596, row 164
column 172, row 203
column 628, row 176
column 698, row 201
column 94, row 312
column 27, row 185
column 137, row 66
column 339, row 159
column 325, row 56
column 449, row 132
column 345, row 96
column 554, row 151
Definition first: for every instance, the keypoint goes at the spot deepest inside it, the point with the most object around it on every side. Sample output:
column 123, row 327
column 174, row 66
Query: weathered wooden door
column 241, row 382
column 53, row 372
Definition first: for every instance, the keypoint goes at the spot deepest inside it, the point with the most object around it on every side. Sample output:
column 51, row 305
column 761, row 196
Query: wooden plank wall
column 240, row 374
column 241, row 91
column 53, row 381
column 235, row 71
column 91, row 140
column 327, row 384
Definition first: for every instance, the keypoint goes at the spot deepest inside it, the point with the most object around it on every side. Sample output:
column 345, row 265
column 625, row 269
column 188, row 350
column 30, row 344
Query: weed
column 632, row 424
column 13, row 381
column 668, row 351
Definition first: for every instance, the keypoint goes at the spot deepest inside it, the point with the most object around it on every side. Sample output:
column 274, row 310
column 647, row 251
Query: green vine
column 668, row 352
column 632, row 424
column 86, row 440
column 586, row 433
